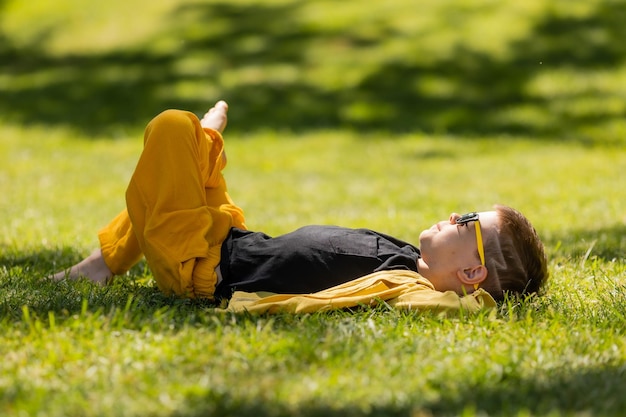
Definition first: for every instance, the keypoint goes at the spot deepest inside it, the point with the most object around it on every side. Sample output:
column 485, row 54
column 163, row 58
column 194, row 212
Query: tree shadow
column 100, row 93
column 606, row 244
column 595, row 391
column 25, row 282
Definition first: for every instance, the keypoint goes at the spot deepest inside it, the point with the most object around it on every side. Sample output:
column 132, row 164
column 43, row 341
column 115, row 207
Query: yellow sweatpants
column 178, row 211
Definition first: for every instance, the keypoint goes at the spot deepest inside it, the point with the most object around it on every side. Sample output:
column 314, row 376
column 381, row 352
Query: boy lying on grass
column 180, row 217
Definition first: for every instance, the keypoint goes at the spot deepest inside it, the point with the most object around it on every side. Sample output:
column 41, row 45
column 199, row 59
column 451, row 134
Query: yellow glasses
column 473, row 217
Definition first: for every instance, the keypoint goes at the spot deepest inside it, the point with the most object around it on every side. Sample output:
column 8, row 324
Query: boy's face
column 448, row 247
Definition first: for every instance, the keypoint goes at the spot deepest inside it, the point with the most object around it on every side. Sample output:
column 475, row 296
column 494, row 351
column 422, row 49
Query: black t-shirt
column 309, row 259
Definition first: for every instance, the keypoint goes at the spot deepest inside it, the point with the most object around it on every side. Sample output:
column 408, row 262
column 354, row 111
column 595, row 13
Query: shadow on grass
column 569, row 391
column 605, row 244
column 24, row 282
column 594, row 391
column 101, row 92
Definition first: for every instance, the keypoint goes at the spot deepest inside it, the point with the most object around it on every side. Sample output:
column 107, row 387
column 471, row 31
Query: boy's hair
column 516, row 259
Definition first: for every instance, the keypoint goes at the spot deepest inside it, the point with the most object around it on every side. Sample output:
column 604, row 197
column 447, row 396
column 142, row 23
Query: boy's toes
column 216, row 117
column 220, row 105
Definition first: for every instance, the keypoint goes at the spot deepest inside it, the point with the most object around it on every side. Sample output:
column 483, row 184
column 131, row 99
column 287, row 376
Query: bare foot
column 92, row 267
column 216, row 117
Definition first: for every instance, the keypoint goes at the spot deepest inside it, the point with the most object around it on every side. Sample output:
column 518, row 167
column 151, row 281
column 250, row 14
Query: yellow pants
column 178, row 208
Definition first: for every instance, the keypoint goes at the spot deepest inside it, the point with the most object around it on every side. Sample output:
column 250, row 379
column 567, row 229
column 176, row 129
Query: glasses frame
column 474, row 217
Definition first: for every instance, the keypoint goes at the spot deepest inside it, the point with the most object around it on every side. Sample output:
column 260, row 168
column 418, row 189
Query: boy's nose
column 453, row 217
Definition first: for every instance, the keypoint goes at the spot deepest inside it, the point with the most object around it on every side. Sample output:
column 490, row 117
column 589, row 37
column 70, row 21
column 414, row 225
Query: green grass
column 388, row 116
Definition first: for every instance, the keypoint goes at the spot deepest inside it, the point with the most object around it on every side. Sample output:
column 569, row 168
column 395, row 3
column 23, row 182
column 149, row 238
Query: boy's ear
column 472, row 275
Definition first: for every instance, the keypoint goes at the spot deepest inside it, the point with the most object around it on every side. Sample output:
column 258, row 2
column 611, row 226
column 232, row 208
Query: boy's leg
column 120, row 248
column 118, row 244
column 92, row 267
column 177, row 201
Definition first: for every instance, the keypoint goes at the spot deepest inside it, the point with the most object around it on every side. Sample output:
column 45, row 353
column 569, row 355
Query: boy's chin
column 427, row 232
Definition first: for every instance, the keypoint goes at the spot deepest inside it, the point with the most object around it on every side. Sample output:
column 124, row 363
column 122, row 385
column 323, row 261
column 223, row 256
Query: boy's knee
column 173, row 123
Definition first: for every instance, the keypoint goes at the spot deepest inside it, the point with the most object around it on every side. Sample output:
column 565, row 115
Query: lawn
column 388, row 115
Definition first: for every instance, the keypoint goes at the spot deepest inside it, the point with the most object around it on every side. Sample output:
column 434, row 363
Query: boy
column 180, row 217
